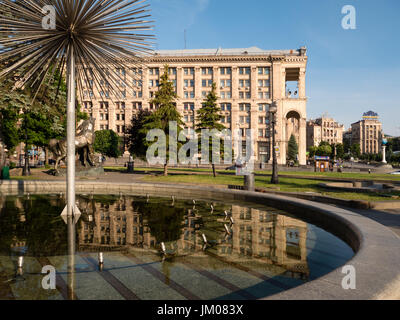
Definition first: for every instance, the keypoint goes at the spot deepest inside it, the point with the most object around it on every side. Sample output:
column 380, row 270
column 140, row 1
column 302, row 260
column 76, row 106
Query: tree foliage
column 164, row 221
column 107, row 143
column 312, row 151
column 355, row 150
column 208, row 117
column 340, row 151
column 293, row 148
column 166, row 112
column 34, row 118
column 136, row 136
column 324, row 150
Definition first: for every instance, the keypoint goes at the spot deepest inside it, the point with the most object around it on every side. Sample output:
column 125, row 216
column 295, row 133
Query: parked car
column 396, row 172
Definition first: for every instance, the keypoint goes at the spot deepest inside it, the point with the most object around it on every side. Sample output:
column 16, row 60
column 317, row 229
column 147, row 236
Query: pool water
column 158, row 248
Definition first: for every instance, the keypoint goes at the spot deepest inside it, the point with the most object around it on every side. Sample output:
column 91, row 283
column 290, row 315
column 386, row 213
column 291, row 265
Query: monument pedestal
column 79, row 172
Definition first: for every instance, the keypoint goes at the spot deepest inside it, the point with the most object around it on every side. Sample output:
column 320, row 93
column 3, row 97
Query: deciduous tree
column 107, row 143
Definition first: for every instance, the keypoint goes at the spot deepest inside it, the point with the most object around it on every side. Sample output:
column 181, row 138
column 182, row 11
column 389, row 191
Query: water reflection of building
column 112, row 224
column 276, row 239
column 258, row 236
column 117, row 224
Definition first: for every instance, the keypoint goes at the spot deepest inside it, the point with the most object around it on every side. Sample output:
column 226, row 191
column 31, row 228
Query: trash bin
column 5, row 173
column 131, row 166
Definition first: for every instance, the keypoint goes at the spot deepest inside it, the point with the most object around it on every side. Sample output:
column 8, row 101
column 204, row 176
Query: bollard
column 227, row 229
column 204, row 238
column 249, row 182
column 20, row 262
column 20, row 265
column 163, row 249
column 226, row 215
column 101, row 261
column 131, row 167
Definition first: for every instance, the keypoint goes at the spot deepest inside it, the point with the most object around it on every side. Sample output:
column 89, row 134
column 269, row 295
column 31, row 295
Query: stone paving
column 388, row 218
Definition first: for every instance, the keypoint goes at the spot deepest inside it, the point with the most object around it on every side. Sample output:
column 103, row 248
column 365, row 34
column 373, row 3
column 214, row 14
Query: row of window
column 228, row 119
column 186, row 71
column 156, row 71
column 262, row 107
column 118, row 117
column 190, row 84
column 204, row 83
column 223, row 95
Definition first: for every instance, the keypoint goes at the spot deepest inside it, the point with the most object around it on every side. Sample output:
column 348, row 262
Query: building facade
column 324, row 129
column 248, row 82
column 368, row 133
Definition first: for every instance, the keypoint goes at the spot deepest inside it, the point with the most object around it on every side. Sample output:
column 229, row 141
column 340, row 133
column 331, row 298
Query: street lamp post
column 26, row 171
column 272, row 111
column 384, row 143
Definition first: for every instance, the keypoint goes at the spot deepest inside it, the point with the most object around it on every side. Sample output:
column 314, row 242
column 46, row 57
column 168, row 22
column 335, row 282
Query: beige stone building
column 368, row 133
column 248, row 81
column 324, row 129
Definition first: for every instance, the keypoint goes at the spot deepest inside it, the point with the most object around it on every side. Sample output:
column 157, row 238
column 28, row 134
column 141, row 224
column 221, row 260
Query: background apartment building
column 248, row 81
column 324, row 129
column 368, row 133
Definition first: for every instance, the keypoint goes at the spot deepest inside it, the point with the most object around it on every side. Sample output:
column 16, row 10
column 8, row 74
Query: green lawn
column 285, row 184
column 224, row 178
column 362, row 176
column 25, row 178
column 349, row 175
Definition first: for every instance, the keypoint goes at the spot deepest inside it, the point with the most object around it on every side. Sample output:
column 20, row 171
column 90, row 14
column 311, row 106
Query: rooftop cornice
column 221, row 58
column 213, row 58
column 295, row 58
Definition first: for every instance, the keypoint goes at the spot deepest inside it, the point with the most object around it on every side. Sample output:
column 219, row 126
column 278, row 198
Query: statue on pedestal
column 84, row 140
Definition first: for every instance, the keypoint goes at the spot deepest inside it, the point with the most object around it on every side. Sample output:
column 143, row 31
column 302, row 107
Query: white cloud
column 182, row 12
column 202, row 4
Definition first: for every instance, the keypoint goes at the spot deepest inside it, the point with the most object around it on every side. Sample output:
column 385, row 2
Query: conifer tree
column 208, row 117
column 293, row 148
column 166, row 112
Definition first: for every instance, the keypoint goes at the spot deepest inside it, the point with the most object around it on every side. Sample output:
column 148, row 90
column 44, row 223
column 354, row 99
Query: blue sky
column 349, row 71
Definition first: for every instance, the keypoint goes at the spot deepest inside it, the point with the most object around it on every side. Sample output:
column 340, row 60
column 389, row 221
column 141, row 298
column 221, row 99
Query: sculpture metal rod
column 71, row 258
column 71, row 135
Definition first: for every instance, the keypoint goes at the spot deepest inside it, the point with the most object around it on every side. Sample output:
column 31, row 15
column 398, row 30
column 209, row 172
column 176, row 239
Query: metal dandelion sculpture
column 89, row 40
column 38, row 36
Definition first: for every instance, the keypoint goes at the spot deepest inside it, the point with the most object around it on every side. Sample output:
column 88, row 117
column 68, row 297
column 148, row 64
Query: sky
column 349, row 72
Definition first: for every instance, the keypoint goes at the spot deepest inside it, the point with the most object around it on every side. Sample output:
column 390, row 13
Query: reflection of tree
column 11, row 227
column 42, row 231
column 46, row 231
column 164, row 221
